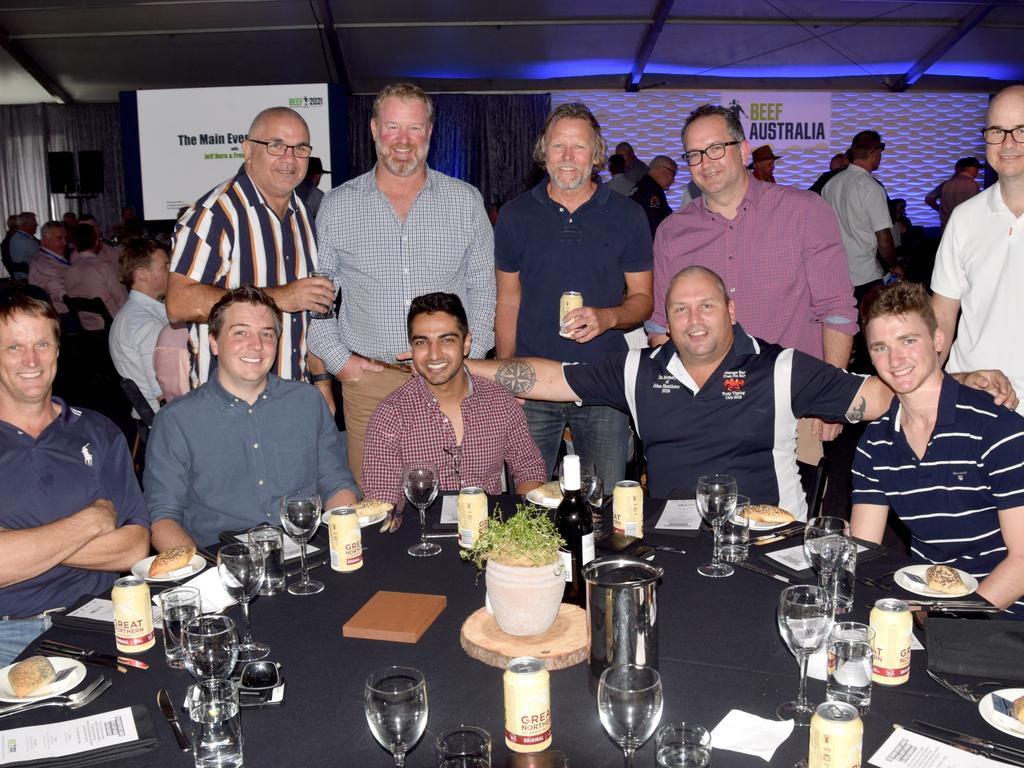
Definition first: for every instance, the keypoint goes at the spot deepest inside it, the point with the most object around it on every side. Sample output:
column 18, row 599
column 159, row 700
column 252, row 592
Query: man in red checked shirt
column 468, row 426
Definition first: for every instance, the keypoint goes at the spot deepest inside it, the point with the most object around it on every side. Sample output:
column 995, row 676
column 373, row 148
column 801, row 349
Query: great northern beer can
column 570, row 300
column 628, row 508
column 345, row 538
column 837, row 733
column 133, row 615
column 527, row 705
column 472, row 515
column 893, row 625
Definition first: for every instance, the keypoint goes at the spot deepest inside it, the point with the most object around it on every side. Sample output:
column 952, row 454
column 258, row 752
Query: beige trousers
column 359, row 399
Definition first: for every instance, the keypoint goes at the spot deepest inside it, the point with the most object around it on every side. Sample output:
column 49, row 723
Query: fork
column 963, row 690
column 69, row 701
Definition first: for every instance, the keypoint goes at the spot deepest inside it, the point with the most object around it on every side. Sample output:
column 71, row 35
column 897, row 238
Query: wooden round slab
column 566, row 644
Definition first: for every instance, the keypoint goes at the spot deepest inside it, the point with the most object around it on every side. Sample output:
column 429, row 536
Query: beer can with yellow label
column 133, row 615
column 628, row 508
column 472, row 515
column 837, row 733
column 893, row 625
column 346, row 540
column 527, row 705
column 570, row 300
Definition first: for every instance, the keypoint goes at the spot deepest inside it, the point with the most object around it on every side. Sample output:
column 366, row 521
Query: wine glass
column 240, row 567
column 591, row 486
column 716, row 501
column 300, row 515
column 211, row 647
column 420, row 483
column 629, row 701
column 826, row 544
column 395, row 700
column 804, row 625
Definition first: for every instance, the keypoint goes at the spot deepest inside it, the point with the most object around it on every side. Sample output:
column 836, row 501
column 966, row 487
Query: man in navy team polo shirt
column 570, row 233
column 712, row 400
column 72, row 516
column 944, row 457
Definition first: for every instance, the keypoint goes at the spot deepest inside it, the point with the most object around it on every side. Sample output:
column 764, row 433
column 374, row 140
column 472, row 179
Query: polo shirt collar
column 995, row 203
column 600, row 196
column 743, row 345
column 948, row 394
column 751, row 198
column 228, row 400
column 252, row 194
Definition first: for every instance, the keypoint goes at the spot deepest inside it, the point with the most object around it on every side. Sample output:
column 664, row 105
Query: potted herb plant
column 523, row 573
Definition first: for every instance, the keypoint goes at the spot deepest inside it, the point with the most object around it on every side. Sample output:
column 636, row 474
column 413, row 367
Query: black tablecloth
column 719, row 646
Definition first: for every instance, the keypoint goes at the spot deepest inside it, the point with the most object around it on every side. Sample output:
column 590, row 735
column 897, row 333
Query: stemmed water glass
column 716, row 502
column 804, row 625
column 395, row 700
column 210, row 647
column 591, row 486
column 300, row 515
column 240, row 567
column 420, row 483
column 826, row 544
column 629, row 702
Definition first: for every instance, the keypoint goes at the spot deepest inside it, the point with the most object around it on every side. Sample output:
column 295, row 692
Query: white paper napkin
column 215, row 598
column 752, row 735
column 450, row 509
column 679, row 515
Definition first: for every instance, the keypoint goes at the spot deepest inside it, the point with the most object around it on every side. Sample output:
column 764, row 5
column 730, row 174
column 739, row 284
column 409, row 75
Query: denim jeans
column 16, row 636
column 600, row 436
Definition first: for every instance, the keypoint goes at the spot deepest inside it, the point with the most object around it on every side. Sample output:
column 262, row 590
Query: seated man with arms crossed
column 468, row 426
column 73, row 516
column 711, row 399
column 944, row 457
column 221, row 457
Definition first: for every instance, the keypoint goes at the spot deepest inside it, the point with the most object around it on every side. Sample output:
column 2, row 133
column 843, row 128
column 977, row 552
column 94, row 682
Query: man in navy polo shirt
column 73, row 516
column 944, row 457
column 570, row 233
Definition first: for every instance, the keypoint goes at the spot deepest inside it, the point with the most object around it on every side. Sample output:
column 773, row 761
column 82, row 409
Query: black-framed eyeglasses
column 279, row 148
column 456, row 456
column 714, row 152
column 994, row 135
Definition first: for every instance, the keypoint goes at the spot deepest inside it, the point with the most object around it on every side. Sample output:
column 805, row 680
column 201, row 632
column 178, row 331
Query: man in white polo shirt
column 979, row 269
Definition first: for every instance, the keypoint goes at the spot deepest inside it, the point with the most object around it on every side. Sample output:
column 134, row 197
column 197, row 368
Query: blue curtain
column 486, row 140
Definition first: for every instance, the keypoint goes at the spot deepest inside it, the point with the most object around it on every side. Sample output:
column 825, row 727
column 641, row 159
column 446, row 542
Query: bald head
column 1011, row 94
column 1006, row 111
column 272, row 113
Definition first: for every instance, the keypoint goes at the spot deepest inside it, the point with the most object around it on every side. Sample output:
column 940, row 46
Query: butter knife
column 763, row 572
column 975, row 740
column 164, row 700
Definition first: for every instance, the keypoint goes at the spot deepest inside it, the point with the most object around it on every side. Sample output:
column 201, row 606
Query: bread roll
column 766, row 513
column 28, row 676
column 942, row 578
column 372, row 508
column 171, row 560
column 1018, row 709
column 550, row 490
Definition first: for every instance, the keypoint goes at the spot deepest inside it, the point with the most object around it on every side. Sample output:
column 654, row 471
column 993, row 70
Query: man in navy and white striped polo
column 946, row 458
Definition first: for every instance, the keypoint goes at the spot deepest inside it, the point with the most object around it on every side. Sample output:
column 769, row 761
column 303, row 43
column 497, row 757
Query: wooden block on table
column 401, row 617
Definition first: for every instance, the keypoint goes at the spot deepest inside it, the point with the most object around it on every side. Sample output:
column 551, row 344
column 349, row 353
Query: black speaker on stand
column 61, row 166
column 90, row 171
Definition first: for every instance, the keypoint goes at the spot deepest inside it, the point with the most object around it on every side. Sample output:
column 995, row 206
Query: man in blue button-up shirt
column 221, row 457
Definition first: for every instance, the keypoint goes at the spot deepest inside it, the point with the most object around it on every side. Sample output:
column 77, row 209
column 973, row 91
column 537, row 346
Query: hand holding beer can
column 570, row 300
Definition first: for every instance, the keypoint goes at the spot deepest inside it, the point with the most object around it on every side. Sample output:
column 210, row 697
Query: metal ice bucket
column 622, row 611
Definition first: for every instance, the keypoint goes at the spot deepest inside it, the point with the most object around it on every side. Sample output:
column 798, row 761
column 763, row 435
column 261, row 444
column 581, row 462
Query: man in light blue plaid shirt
column 397, row 232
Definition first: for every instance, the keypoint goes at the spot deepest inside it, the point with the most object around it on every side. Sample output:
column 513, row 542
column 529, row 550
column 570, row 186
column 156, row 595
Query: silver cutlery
column 965, row 691
column 663, row 548
column 68, row 701
column 975, row 740
column 965, row 745
column 94, row 661
column 763, row 571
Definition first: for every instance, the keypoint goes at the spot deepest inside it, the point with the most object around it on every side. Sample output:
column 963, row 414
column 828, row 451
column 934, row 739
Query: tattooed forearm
column 517, row 376
column 856, row 412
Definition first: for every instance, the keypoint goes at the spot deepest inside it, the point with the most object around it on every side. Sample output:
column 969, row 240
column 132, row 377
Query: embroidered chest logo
column 959, row 475
column 666, row 382
column 87, row 455
column 734, row 385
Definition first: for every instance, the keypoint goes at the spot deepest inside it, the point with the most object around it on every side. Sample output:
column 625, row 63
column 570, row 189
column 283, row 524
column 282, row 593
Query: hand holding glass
column 300, row 515
column 629, row 702
column 395, row 701
column 716, row 501
column 803, row 624
column 240, row 567
column 420, row 483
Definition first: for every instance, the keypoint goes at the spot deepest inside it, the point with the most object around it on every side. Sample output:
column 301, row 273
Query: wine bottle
column 576, row 526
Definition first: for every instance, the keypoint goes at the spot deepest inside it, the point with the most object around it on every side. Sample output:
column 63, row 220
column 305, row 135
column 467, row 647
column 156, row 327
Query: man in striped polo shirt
column 945, row 458
column 253, row 230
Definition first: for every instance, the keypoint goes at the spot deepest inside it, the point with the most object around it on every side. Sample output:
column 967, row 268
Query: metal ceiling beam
column 32, row 67
column 940, row 48
column 333, row 43
column 643, row 55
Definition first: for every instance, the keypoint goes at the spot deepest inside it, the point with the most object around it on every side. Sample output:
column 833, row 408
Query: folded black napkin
column 147, row 742
column 991, row 649
column 84, row 625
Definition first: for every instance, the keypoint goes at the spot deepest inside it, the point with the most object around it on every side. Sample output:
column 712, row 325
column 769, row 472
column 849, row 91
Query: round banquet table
column 719, row 650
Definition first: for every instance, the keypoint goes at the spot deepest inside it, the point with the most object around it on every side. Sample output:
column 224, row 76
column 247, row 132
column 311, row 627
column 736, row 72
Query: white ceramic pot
column 524, row 599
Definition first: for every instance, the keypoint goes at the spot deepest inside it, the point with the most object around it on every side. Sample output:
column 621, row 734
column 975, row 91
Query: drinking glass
column 804, row 624
column 420, row 483
column 314, row 314
column 716, row 501
column 216, row 728
column 682, row 745
column 826, row 542
column 240, row 567
column 300, row 515
column 178, row 607
column 211, row 647
column 629, row 702
column 849, row 664
column 463, row 746
column 591, row 486
column 736, row 533
column 395, row 700
column 271, row 541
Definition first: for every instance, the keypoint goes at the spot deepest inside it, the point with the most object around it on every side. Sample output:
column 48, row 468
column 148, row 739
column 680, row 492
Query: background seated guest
column 49, row 266
column 944, row 458
column 170, row 361
column 134, row 331
column 89, row 276
column 72, row 516
column 468, row 426
column 221, row 457
column 22, row 245
column 105, row 250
